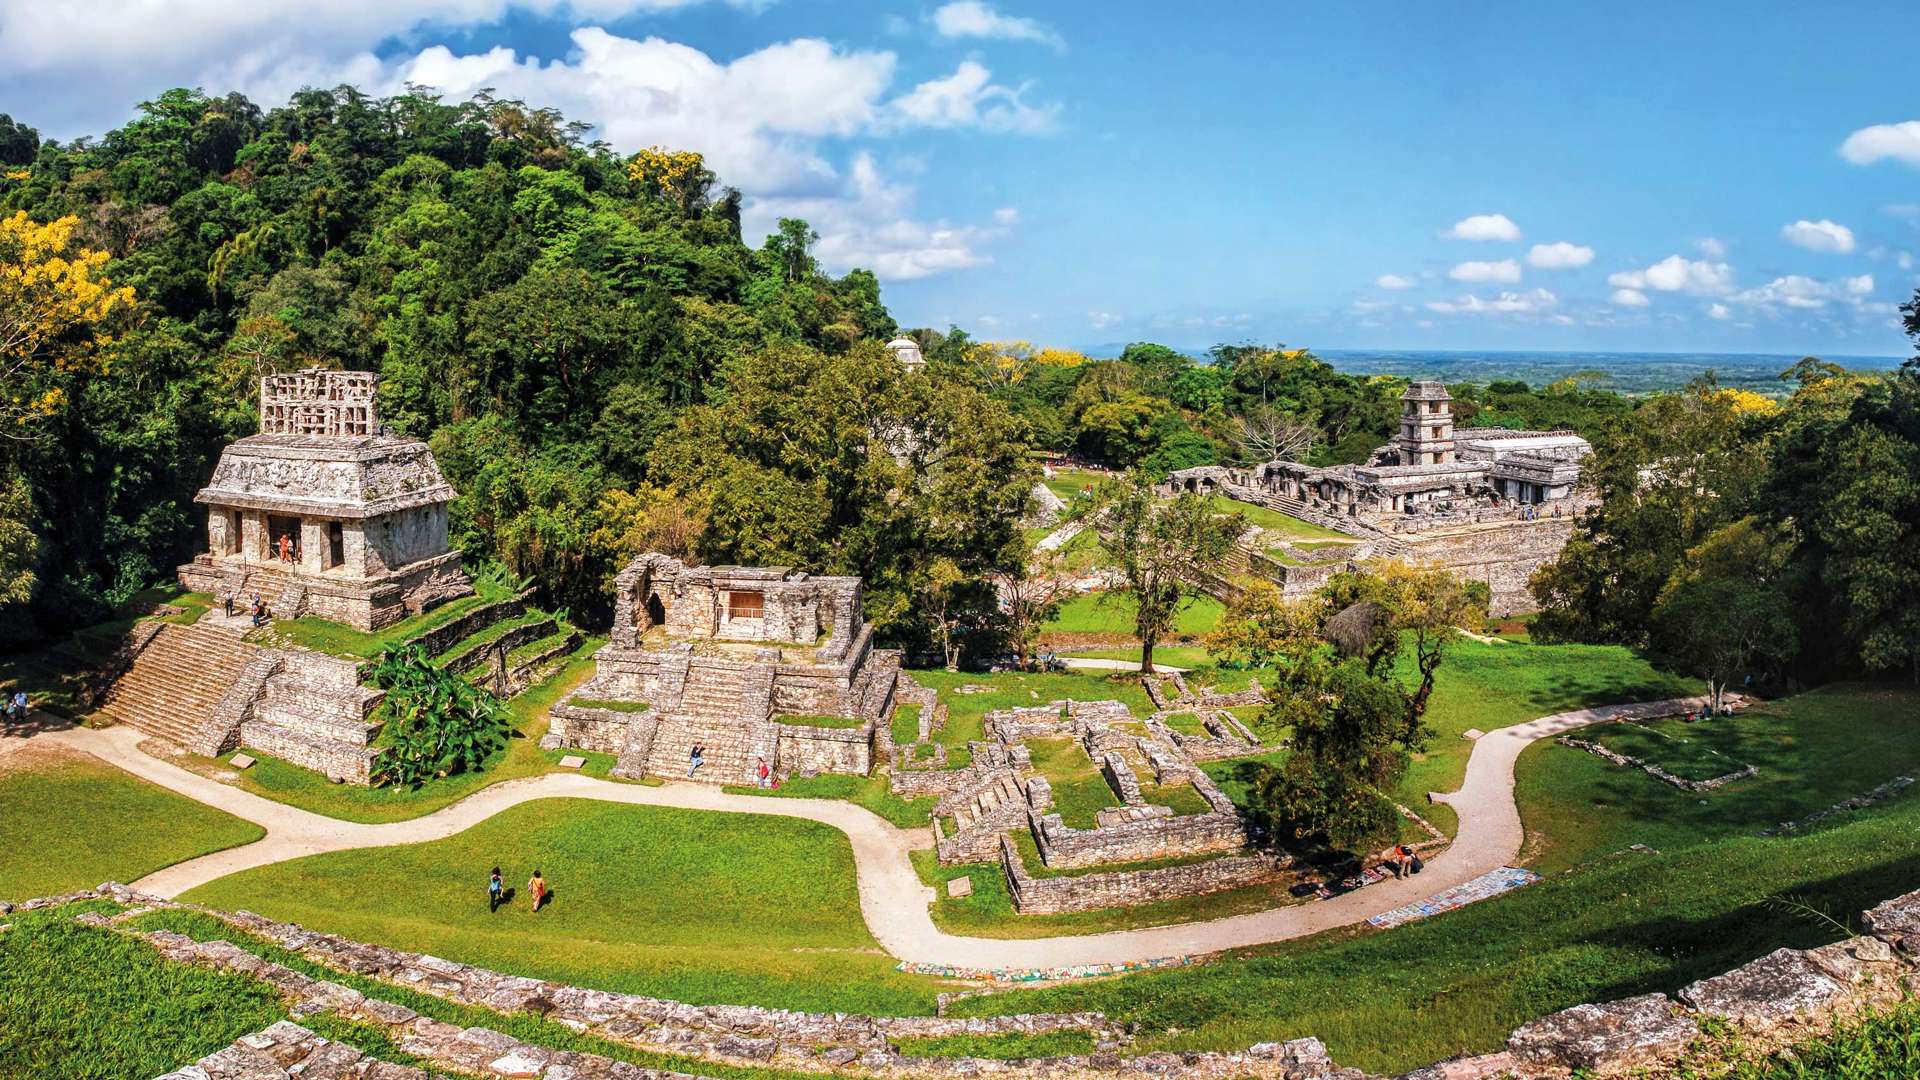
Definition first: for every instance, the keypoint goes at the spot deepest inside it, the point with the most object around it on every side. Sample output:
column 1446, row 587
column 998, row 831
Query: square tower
column 1426, row 425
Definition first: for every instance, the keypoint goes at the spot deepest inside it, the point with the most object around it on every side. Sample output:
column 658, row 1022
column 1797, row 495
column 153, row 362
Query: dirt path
column 892, row 897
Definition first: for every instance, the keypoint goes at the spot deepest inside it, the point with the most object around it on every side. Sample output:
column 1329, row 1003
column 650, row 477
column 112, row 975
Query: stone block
column 1631, row 1031
column 241, row 761
column 572, row 761
column 1781, row 986
column 1896, row 920
column 960, row 886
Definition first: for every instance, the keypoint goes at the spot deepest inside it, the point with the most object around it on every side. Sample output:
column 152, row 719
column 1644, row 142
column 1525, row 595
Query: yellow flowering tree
column 56, row 307
column 1004, row 363
column 677, row 176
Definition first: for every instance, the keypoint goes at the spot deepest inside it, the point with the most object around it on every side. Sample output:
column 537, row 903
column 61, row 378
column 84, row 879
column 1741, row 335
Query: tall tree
column 1723, row 611
column 1165, row 550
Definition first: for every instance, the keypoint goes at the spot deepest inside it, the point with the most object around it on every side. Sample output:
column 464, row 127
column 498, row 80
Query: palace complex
column 1488, row 504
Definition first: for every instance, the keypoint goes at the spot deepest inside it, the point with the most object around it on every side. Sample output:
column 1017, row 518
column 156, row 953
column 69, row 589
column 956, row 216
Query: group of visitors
column 257, row 607
column 287, row 553
column 497, row 893
column 1404, row 861
column 1705, row 712
column 17, row 707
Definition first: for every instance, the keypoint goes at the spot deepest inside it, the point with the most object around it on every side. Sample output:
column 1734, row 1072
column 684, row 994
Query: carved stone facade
column 322, row 513
column 753, row 665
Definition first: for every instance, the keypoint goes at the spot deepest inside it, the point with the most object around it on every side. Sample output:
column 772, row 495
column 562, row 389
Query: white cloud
column 1904, row 211
column 1506, row 271
column 1881, row 141
column 1822, row 235
column 1719, row 311
column 1366, row 306
column 1904, row 260
column 1559, row 255
column 1100, row 320
column 1484, row 227
column 1006, row 215
column 1630, row 298
column 970, row 98
column 971, row 19
column 1676, row 273
column 1805, row 293
column 1393, row 281
column 1711, row 247
column 870, row 223
column 1507, row 303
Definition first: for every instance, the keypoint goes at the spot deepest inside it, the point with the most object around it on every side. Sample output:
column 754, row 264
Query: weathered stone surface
column 1895, row 921
column 1472, row 1067
column 1779, row 987
column 1630, row 1031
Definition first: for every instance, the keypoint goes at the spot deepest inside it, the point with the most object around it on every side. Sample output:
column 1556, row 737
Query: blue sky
column 1660, row 177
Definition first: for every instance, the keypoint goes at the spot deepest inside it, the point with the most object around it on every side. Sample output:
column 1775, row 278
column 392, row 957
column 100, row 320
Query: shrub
column 438, row 724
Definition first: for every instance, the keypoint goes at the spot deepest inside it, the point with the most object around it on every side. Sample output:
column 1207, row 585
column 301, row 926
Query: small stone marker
column 1472, row 733
column 960, row 886
column 240, row 761
column 572, row 761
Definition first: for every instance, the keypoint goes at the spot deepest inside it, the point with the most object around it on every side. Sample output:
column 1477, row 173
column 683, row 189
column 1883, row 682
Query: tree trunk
column 1146, row 656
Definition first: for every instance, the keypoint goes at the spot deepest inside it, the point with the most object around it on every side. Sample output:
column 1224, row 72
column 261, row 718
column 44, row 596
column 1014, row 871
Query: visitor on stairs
column 494, row 890
column 226, row 598
column 537, row 885
column 695, row 758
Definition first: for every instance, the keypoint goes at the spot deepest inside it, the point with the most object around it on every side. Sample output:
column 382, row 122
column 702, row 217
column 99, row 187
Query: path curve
column 893, row 900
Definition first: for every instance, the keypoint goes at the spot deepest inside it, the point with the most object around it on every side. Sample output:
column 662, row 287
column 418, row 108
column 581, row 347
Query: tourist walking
column 695, row 758
column 226, row 598
column 537, row 885
column 495, row 890
column 766, row 774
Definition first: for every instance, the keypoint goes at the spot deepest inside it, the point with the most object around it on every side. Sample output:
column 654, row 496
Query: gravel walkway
column 892, row 897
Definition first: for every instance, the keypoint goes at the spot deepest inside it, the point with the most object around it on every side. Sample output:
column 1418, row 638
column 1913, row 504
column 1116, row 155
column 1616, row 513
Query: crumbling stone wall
column 1091, row 892
column 804, row 748
column 1135, row 841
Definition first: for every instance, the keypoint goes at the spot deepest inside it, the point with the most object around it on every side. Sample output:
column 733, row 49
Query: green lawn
column 1813, row 750
column 1008, row 689
column 1682, row 749
column 1459, row 982
column 1067, row 483
column 1273, row 520
column 522, row 756
column 1080, row 790
column 871, row 792
column 70, row 821
column 1112, row 614
column 1164, row 656
column 693, row 906
column 86, row 1004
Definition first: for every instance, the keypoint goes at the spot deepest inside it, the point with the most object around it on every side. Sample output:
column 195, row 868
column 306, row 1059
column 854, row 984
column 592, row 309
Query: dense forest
column 605, row 365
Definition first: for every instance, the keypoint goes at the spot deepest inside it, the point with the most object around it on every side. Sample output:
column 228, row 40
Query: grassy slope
column 522, row 756
column 1284, row 524
column 69, row 821
column 1010, row 689
column 1813, row 751
column 693, row 906
column 84, row 1004
column 1112, row 614
column 1458, row 982
column 338, row 639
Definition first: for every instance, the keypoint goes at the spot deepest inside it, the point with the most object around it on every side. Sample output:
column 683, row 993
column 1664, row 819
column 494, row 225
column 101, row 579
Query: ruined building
column 324, row 513
column 1487, row 503
column 751, row 664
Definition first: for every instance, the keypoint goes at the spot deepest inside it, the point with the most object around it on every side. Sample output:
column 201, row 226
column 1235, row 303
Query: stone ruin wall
column 1091, row 892
column 1770, row 1002
column 299, row 708
column 807, row 749
column 1505, row 558
column 1136, row 841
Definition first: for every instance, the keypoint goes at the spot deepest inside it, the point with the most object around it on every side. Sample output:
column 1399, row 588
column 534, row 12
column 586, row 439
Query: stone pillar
column 253, row 536
column 218, row 542
column 353, row 544
column 313, row 545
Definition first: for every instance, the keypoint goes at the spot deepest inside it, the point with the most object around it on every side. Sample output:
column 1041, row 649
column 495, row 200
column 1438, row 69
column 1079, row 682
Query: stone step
column 336, row 759
column 177, row 680
column 729, row 751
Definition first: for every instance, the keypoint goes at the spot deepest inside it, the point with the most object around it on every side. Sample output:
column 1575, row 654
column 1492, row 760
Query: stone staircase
column 981, row 812
column 731, row 749
column 728, row 692
column 177, row 682
column 316, row 714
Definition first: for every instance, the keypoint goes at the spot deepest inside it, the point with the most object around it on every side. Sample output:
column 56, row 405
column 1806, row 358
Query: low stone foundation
column 804, row 748
column 1091, row 892
column 1656, row 771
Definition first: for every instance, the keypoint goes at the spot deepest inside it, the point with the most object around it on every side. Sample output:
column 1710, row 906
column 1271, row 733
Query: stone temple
column 752, row 664
column 1487, row 503
column 324, row 513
